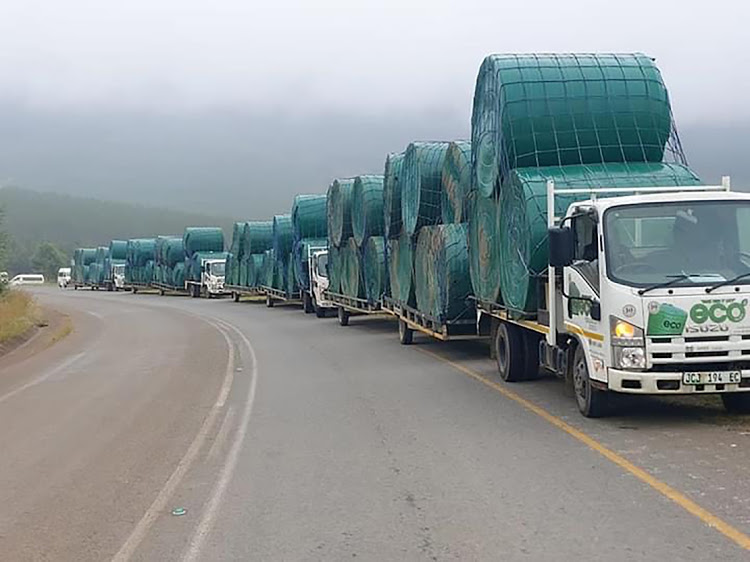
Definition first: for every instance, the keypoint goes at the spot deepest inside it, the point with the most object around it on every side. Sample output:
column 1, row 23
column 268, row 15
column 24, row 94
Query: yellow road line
column 666, row 490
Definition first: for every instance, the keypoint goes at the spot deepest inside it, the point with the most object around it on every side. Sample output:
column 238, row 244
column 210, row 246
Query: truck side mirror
column 561, row 246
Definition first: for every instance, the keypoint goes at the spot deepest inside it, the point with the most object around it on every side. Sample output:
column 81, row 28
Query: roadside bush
column 18, row 313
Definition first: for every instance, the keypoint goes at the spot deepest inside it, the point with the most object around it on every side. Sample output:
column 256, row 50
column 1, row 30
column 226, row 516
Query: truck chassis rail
column 412, row 319
column 500, row 312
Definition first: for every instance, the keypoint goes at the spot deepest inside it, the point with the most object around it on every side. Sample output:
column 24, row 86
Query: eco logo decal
column 665, row 319
column 718, row 311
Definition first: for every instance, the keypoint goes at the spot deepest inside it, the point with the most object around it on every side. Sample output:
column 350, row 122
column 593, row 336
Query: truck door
column 581, row 299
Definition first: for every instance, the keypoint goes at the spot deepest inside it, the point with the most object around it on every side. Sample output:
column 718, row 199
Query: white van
column 27, row 279
column 63, row 277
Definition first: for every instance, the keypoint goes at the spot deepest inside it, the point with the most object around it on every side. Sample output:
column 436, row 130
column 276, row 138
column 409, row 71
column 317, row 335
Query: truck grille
column 707, row 348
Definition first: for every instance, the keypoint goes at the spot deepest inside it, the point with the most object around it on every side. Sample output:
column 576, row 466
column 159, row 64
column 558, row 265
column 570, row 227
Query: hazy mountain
column 70, row 222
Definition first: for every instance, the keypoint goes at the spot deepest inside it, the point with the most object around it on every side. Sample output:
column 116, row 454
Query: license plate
column 712, row 377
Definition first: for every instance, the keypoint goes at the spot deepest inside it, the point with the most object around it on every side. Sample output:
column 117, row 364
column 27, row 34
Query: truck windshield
column 651, row 243
column 323, row 265
column 217, row 268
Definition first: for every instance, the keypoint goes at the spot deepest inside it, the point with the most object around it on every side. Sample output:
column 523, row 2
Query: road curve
column 285, row 437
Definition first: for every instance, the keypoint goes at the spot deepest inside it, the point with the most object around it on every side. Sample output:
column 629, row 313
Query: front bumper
column 652, row 382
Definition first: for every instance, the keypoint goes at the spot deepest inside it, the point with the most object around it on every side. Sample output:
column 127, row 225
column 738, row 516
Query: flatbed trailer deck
column 274, row 295
column 238, row 291
column 353, row 306
column 410, row 320
column 165, row 289
column 140, row 287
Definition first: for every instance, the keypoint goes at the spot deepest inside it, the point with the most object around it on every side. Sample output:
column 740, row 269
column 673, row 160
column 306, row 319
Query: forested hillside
column 32, row 218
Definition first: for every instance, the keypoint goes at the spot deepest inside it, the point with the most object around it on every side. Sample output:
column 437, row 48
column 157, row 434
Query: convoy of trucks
column 569, row 232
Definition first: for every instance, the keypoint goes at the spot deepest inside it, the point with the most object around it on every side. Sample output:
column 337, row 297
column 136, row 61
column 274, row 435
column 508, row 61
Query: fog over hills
column 239, row 163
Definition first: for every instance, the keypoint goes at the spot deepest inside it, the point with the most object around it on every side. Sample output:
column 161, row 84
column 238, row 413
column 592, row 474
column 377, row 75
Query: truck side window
column 586, row 257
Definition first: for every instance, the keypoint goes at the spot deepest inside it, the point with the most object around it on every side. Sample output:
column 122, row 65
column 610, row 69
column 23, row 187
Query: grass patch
column 18, row 313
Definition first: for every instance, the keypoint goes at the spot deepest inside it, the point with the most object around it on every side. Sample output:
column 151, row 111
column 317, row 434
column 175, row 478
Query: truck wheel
column 236, row 296
column 320, row 312
column 736, row 402
column 307, row 303
column 405, row 334
column 531, row 355
column 161, row 292
column 343, row 316
column 109, row 287
column 269, row 301
column 75, row 287
column 509, row 353
column 135, row 291
column 592, row 402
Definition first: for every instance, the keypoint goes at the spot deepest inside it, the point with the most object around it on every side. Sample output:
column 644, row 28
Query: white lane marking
column 210, row 512
column 40, row 379
column 221, row 436
column 157, row 507
column 95, row 314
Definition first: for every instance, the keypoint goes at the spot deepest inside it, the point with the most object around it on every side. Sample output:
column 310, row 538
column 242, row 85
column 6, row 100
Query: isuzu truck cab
column 649, row 295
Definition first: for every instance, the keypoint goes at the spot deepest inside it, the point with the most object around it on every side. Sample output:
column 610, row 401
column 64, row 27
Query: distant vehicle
column 211, row 283
column 63, row 277
column 27, row 279
column 315, row 299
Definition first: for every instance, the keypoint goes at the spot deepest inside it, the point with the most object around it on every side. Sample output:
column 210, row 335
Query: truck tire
column 405, row 333
column 531, row 355
column 343, row 316
column 236, row 296
column 109, row 287
column 320, row 312
column 592, row 402
column 509, row 352
column 736, row 402
column 161, row 292
column 307, row 305
column 135, row 291
column 269, row 301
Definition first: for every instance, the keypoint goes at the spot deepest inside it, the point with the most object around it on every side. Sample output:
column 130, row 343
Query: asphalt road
column 286, row 437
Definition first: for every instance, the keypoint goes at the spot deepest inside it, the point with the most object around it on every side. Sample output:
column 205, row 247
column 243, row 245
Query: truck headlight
column 629, row 357
column 628, row 344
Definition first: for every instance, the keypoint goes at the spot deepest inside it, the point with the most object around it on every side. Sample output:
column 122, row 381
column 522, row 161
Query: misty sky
column 120, row 99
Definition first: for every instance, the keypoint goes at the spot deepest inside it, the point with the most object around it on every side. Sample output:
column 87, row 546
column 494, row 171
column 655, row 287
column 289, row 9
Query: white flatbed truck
column 645, row 293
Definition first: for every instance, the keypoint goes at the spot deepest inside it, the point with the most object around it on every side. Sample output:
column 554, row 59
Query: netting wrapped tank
column 420, row 181
column 118, row 249
column 309, row 218
column 257, row 237
column 456, row 182
column 484, row 247
column 203, row 239
column 565, row 109
column 523, row 215
column 339, row 211
column 350, row 262
column 283, row 237
column 392, row 195
column 367, row 208
column 441, row 272
column 334, row 269
column 375, row 270
column 401, row 269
